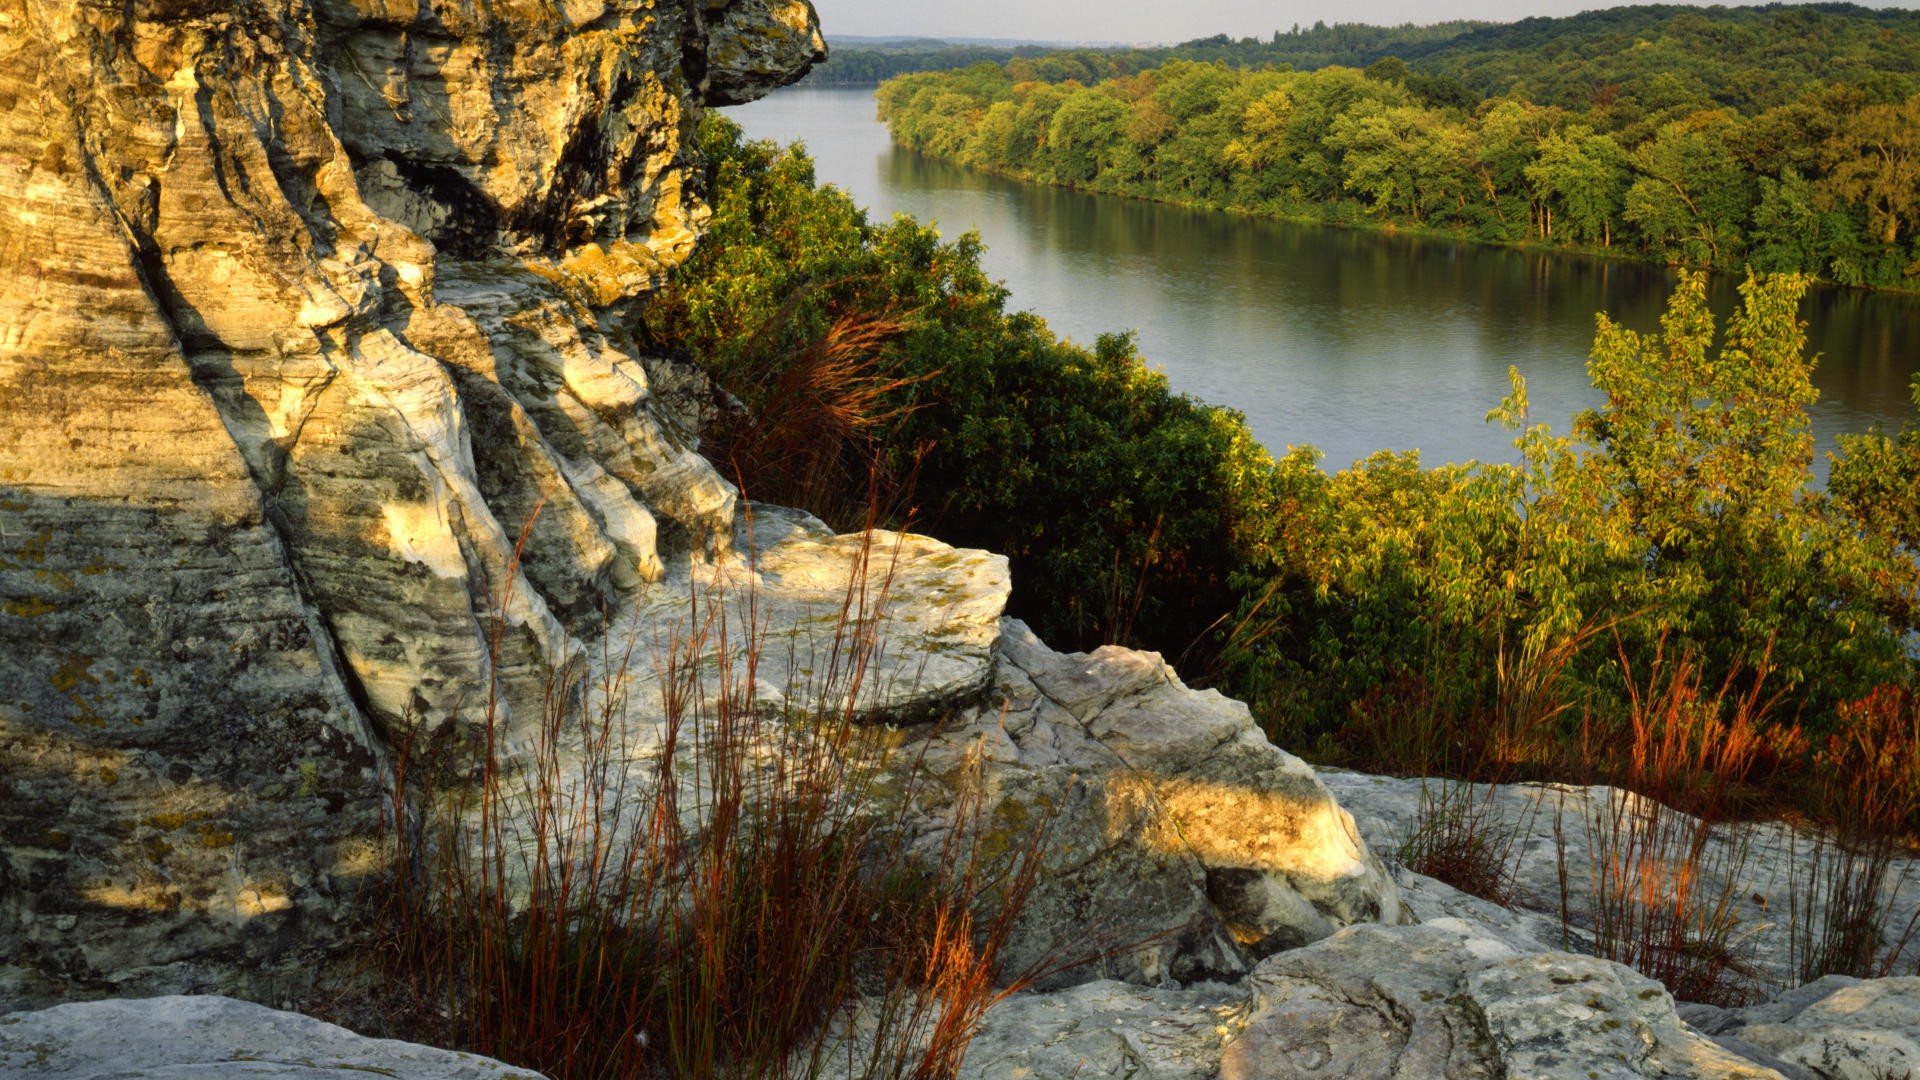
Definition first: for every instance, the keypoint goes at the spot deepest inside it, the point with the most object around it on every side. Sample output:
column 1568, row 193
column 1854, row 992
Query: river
column 1348, row 341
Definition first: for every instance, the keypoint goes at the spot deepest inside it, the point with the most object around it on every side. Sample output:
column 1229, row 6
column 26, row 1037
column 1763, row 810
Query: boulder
column 1757, row 866
column 1178, row 842
column 1107, row 1029
column 215, row 1038
column 1442, row 999
column 1834, row 1028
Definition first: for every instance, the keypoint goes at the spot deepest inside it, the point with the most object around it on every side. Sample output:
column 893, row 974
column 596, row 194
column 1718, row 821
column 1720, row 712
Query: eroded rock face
column 299, row 330
column 1179, row 842
column 1834, row 1028
column 1560, row 833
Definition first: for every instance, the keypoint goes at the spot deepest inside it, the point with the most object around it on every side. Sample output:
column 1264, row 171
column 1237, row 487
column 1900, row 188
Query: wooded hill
column 1786, row 139
column 1750, row 58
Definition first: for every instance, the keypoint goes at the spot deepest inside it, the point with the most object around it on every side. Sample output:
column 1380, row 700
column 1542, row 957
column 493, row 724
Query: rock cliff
column 309, row 314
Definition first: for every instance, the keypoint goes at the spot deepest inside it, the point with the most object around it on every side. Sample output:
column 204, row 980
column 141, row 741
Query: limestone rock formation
column 215, row 1038
column 1177, row 838
column 1834, row 1028
column 308, row 315
column 1442, row 999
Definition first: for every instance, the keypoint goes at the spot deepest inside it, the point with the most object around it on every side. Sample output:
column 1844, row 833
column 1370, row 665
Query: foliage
column 1795, row 150
column 714, row 904
column 1680, row 516
column 1873, row 483
column 986, row 409
column 1629, row 62
column 1868, row 789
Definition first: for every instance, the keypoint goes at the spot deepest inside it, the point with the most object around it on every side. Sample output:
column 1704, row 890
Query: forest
column 1782, row 139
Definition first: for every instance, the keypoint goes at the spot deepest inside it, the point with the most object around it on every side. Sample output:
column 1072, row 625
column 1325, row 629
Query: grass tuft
column 719, row 904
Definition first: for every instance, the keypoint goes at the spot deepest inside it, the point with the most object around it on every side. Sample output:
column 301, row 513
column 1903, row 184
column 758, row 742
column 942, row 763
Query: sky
column 1167, row 21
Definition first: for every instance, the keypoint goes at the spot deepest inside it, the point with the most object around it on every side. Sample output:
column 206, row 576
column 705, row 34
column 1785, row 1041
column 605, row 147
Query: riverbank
column 1814, row 188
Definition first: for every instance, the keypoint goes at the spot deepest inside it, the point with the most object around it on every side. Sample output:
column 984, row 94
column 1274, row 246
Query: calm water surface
column 1351, row 342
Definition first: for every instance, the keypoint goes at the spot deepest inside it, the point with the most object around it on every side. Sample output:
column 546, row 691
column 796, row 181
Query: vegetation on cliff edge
column 1679, row 519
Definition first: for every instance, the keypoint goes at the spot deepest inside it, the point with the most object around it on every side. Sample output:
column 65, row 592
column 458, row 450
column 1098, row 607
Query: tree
column 1874, row 160
column 1084, row 136
column 1389, row 154
column 1508, row 142
column 1696, row 480
column 1793, row 234
column 1584, row 175
column 1873, row 482
column 1692, row 193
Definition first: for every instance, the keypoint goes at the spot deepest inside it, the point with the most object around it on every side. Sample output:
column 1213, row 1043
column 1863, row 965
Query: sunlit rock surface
column 303, row 323
column 1834, row 1027
column 1442, row 999
column 1179, row 844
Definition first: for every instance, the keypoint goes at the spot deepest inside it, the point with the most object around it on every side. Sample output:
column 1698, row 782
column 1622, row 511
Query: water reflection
column 1350, row 341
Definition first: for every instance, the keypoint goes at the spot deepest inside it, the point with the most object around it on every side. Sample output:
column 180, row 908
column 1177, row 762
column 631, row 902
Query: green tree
column 1697, row 483
column 1508, row 143
column 1583, row 176
column 1085, row 135
column 1874, row 161
column 1394, row 155
column 1874, row 482
column 1692, row 193
column 1793, row 233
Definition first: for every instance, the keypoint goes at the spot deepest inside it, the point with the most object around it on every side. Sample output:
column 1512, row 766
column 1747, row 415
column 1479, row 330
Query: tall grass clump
column 725, row 899
column 1463, row 753
column 1868, row 784
column 1664, row 879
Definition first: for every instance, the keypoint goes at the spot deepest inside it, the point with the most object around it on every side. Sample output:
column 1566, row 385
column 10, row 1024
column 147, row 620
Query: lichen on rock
column 304, row 323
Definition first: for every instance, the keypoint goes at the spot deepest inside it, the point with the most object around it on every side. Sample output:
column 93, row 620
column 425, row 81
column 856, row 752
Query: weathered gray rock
column 1443, row 999
column 758, row 43
column 890, row 625
column 1108, row 1029
column 302, row 322
column 1758, row 866
column 214, row 1038
column 1178, row 839
column 1833, row 1028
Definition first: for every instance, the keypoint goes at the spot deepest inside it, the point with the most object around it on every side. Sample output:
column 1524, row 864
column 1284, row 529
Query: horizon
column 1140, row 22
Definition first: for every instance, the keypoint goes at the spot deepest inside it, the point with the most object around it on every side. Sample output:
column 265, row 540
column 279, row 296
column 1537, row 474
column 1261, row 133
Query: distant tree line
column 1787, row 140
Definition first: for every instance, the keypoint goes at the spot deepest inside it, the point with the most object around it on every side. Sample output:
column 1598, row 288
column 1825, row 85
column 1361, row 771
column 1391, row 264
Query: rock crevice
column 304, row 324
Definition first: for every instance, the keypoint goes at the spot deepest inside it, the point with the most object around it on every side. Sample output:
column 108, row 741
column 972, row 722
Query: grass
column 724, row 903
column 806, row 435
column 1664, row 898
column 1869, row 786
column 1680, row 767
column 1462, row 838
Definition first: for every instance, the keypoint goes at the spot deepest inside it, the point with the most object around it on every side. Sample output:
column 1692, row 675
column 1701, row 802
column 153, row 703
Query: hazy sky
column 1167, row 20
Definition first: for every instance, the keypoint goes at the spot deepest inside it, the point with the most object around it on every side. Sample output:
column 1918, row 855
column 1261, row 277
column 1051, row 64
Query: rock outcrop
column 309, row 316
column 322, row 435
column 215, row 1038
column 1179, row 842
column 1557, row 835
